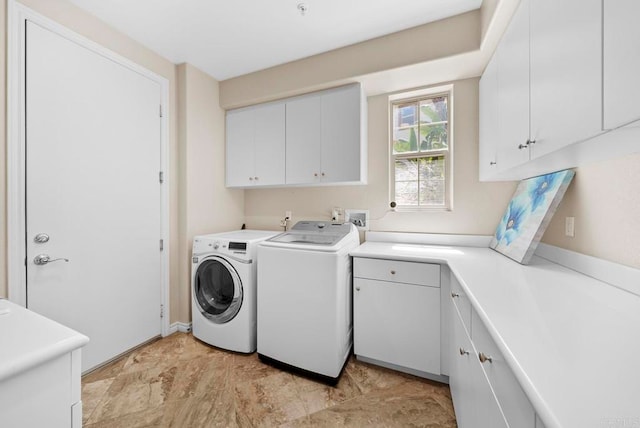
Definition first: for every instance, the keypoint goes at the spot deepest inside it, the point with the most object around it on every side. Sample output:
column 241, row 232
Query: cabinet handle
column 463, row 352
column 523, row 146
column 255, row 178
column 393, row 272
column 454, row 295
column 484, row 358
column 357, row 288
column 250, row 178
column 322, row 174
column 315, row 174
column 532, row 142
column 493, row 163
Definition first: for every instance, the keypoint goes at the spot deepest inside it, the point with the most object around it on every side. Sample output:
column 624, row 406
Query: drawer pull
column 484, row 358
column 393, row 272
column 357, row 288
column 464, row 351
column 454, row 295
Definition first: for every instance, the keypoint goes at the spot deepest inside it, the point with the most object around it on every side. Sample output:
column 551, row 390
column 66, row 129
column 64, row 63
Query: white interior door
column 92, row 161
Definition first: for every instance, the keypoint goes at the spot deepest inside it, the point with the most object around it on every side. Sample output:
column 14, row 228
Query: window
column 421, row 152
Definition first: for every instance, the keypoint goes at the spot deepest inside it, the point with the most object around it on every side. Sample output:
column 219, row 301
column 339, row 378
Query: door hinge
column 161, row 311
column 162, row 245
column 161, row 177
column 160, row 110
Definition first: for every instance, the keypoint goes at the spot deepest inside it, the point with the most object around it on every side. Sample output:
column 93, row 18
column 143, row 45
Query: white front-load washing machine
column 223, row 288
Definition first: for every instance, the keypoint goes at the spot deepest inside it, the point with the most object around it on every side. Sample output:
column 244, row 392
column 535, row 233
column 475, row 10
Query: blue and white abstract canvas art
column 529, row 213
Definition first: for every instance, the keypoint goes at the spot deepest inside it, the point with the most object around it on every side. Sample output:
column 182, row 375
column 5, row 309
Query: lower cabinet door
column 473, row 399
column 397, row 323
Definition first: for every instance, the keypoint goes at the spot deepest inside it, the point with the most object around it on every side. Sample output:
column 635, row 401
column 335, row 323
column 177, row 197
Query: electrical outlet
column 569, row 227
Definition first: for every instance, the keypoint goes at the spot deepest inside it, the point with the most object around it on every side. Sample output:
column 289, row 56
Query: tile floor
column 178, row 381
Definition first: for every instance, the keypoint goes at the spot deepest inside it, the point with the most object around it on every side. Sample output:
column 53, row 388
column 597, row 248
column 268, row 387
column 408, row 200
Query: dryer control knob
column 216, row 246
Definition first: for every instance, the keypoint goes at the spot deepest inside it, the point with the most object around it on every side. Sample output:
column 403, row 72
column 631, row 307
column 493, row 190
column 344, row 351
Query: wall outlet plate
column 358, row 217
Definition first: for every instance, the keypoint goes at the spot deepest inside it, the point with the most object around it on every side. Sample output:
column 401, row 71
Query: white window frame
column 414, row 96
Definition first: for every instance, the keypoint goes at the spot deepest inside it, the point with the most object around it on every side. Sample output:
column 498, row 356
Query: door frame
column 17, row 15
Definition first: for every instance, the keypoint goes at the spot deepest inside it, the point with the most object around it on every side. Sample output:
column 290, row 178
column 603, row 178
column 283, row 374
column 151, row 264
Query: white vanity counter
column 39, row 370
column 571, row 341
column 28, row 339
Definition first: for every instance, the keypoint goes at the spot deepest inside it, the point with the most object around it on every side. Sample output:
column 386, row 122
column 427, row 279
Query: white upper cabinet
column 325, row 137
column 313, row 139
column 303, row 127
column 621, row 63
column 255, row 146
column 240, row 154
column 549, row 87
column 513, row 90
column 341, row 136
column 489, row 119
column 566, row 73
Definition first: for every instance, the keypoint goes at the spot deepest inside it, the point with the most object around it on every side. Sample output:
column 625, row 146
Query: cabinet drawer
column 516, row 407
column 461, row 303
column 397, row 271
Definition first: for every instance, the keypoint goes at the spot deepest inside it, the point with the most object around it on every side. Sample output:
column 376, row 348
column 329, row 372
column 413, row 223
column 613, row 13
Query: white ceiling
column 228, row 38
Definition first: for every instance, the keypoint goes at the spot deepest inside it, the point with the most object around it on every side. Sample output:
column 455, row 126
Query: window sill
column 410, row 209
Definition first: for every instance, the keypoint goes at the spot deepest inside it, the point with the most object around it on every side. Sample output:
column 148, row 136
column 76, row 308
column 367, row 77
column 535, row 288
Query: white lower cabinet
column 473, row 399
column 485, row 392
column 47, row 395
column 397, row 323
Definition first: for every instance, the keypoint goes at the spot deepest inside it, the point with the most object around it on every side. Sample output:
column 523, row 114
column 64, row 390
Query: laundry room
column 304, row 213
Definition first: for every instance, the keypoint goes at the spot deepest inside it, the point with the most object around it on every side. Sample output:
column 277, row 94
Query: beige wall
column 206, row 206
column 477, row 206
column 605, row 201
column 446, row 38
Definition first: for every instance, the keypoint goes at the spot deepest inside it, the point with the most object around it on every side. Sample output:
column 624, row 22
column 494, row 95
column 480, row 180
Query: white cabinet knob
column 357, row 288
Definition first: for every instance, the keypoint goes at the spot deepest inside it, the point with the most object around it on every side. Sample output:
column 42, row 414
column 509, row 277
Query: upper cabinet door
column 566, row 79
column 269, row 145
column 240, row 148
column 513, row 90
column 488, row 120
column 621, row 62
column 340, row 132
column 303, row 130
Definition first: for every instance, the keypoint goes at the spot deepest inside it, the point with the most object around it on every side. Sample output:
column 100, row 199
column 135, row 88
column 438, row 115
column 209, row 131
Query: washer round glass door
column 218, row 290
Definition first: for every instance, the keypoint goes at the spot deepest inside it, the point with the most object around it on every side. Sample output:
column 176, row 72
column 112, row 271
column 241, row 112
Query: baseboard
column 419, row 373
column 182, row 327
column 620, row 276
column 429, row 238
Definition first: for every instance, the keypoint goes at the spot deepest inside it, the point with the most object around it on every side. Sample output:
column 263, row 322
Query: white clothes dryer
column 223, row 288
column 304, row 299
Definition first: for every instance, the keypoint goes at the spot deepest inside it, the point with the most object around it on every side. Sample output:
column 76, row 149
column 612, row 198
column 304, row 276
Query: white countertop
column 573, row 342
column 28, row 339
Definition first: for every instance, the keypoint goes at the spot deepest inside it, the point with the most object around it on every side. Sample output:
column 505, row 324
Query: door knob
column 43, row 259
